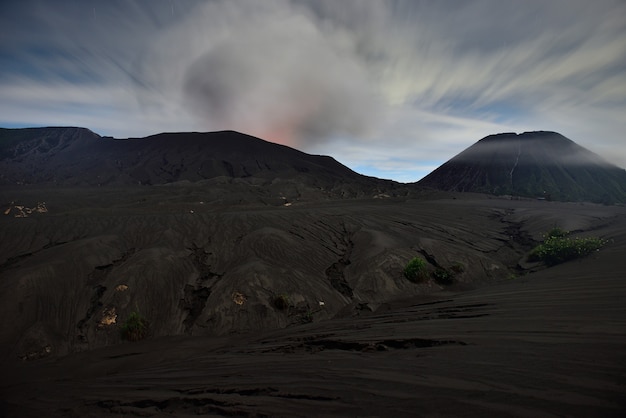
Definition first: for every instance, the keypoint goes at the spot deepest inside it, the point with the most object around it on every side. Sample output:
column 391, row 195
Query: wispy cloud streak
column 374, row 83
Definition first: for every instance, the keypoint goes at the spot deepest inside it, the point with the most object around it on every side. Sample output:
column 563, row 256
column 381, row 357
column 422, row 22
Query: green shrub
column 558, row 248
column 556, row 232
column 443, row 276
column 135, row 328
column 415, row 269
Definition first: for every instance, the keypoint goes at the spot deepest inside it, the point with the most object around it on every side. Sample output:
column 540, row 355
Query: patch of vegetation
column 415, row 270
column 556, row 232
column 443, row 276
column 282, row 302
column 558, row 247
column 135, row 327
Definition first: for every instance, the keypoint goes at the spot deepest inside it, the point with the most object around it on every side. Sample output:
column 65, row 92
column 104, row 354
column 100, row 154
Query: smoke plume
column 276, row 71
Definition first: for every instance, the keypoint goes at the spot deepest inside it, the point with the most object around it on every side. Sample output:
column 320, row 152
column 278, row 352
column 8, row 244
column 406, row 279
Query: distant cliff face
column 77, row 156
column 532, row 164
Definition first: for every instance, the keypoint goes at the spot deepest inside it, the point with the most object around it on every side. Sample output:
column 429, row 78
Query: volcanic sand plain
column 507, row 338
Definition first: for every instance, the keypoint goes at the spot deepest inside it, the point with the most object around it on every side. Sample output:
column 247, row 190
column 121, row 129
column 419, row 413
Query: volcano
column 532, row 164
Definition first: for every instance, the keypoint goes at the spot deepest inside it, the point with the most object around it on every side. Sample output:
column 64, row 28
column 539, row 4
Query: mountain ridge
column 536, row 164
column 70, row 156
column 531, row 164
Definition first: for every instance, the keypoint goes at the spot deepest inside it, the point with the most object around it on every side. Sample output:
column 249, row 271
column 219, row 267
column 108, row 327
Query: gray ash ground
column 351, row 336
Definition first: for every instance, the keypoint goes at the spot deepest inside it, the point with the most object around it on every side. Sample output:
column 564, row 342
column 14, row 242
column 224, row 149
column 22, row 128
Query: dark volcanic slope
column 531, row 164
column 182, row 262
column 550, row 344
column 203, row 269
column 77, row 156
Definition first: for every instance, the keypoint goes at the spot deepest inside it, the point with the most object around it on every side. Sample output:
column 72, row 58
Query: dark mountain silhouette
column 77, row 156
column 532, row 164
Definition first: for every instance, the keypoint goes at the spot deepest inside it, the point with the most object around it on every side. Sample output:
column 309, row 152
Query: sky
column 391, row 89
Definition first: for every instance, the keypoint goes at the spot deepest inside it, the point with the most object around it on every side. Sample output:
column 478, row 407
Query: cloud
column 444, row 63
column 102, row 108
column 294, row 82
column 377, row 84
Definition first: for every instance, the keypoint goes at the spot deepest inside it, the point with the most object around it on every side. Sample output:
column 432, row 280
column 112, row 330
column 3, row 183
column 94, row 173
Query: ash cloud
column 282, row 74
